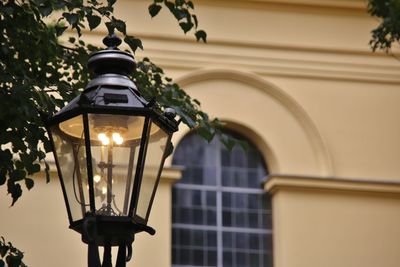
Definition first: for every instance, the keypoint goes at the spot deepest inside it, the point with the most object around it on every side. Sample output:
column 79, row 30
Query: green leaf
column 15, row 191
column 5, row 155
column 94, row 21
column 206, row 133
column 3, row 250
column 78, row 30
column 29, row 183
column 19, row 164
column 228, row 142
column 154, row 9
column 201, row 35
column 41, row 155
column 170, row 5
column 47, row 146
column 169, row 149
column 72, row 18
column 110, row 27
column 59, row 5
column 34, row 168
column 196, row 22
column 134, row 43
column 179, row 14
column 13, row 260
column 45, row 10
column 111, row 2
column 7, row 10
column 186, row 26
column 17, row 175
column 120, row 25
column 3, row 177
column 104, row 10
column 243, row 144
column 47, row 171
column 186, row 118
column 60, row 29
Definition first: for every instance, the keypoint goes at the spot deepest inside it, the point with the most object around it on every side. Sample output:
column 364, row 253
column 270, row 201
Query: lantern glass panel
column 115, row 142
column 152, row 168
column 71, row 156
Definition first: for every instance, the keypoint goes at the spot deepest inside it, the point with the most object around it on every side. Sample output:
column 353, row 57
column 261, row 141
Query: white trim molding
column 276, row 183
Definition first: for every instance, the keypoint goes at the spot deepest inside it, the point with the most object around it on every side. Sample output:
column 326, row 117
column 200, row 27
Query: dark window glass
column 221, row 215
column 212, row 258
column 211, row 239
column 211, row 198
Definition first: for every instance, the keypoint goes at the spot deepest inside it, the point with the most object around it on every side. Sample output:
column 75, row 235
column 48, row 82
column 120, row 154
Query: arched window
column 221, row 215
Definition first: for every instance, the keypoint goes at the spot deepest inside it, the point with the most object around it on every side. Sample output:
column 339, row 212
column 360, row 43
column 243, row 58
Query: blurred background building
column 319, row 185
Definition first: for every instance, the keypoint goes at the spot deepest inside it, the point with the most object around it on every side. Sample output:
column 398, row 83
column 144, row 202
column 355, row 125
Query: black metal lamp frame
column 96, row 229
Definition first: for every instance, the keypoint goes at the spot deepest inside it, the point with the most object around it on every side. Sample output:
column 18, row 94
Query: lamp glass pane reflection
column 114, row 142
column 70, row 152
column 153, row 165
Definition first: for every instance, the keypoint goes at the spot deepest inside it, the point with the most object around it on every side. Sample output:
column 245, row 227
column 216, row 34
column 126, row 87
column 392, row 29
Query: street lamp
column 109, row 145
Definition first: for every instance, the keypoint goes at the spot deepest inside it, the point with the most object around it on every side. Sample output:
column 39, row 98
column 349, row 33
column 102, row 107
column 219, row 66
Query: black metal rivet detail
column 170, row 113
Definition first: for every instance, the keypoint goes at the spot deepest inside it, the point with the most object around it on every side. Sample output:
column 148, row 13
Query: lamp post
column 109, row 145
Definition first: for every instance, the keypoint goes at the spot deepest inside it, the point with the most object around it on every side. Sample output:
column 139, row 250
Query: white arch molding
column 273, row 120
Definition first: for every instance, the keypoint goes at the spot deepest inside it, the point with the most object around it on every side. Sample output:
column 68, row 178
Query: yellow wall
column 299, row 79
column 333, row 222
column 38, row 225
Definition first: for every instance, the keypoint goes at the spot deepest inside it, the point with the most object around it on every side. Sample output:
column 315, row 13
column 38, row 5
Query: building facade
column 297, row 79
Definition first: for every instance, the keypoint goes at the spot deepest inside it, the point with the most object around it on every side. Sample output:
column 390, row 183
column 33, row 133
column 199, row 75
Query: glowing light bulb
column 117, row 138
column 96, row 178
column 104, row 190
column 103, row 138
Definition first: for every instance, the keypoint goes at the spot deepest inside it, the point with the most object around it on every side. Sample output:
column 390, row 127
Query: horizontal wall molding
column 171, row 174
column 274, row 59
column 269, row 59
column 174, row 38
column 340, row 4
column 276, row 183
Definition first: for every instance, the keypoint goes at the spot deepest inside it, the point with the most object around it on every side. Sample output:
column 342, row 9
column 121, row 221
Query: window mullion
column 218, row 164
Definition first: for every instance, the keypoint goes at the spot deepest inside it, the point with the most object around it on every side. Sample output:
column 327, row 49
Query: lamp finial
column 112, row 41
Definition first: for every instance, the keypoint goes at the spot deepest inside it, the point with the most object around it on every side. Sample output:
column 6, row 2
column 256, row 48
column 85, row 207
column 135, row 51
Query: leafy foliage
column 10, row 255
column 388, row 31
column 38, row 74
column 182, row 10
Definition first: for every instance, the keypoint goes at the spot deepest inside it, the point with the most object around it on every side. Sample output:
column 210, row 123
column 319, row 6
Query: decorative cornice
column 171, row 174
column 189, row 40
column 277, row 183
column 272, row 59
column 341, row 4
column 277, row 60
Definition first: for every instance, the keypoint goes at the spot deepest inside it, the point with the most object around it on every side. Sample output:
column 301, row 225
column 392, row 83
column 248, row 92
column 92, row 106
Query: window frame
column 219, row 190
